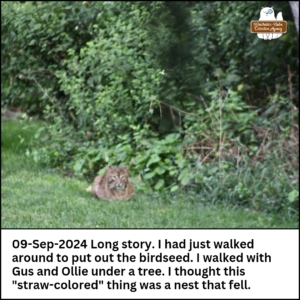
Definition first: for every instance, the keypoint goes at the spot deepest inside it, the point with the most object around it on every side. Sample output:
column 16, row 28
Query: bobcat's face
column 115, row 184
column 117, row 177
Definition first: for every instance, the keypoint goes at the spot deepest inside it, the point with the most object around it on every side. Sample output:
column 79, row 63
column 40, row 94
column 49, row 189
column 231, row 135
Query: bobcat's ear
column 108, row 167
column 126, row 168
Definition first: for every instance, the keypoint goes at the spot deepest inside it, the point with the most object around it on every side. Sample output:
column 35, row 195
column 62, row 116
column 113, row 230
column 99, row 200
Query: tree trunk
column 295, row 10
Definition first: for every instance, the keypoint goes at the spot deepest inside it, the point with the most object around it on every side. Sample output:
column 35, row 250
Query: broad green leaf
column 78, row 165
column 149, row 175
column 153, row 159
column 186, row 179
column 293, row 195
column 159, row 184
column 174, row 188
column 159, row 170
column 183, row 173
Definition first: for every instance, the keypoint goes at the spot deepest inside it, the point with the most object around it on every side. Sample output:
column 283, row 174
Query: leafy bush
column 175, row 89
column 108, row 86
column 35, row 38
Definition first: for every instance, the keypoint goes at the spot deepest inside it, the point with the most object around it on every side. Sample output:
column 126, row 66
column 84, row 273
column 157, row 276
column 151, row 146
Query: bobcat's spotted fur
column 113, row 185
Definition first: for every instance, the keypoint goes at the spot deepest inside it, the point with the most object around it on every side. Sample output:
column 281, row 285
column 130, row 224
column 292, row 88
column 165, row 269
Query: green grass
column 36, row 197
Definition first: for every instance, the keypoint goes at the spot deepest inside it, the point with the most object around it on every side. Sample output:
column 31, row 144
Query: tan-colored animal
column 113, row 185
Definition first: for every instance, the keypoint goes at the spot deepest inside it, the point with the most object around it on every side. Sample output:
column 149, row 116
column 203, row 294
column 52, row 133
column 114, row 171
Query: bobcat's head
column 117, row 177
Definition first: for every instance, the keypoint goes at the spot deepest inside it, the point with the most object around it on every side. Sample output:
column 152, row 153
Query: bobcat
column 113, row 185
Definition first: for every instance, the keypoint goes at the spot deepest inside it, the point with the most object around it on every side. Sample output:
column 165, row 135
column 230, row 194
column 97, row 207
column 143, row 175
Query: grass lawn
column 35, row 197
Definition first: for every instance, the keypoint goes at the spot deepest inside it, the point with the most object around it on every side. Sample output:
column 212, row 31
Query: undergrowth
column 37, row 197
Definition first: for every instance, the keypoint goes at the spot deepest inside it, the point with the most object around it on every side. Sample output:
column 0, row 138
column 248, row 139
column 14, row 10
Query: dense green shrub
column 35, row 36
column 181, row 91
